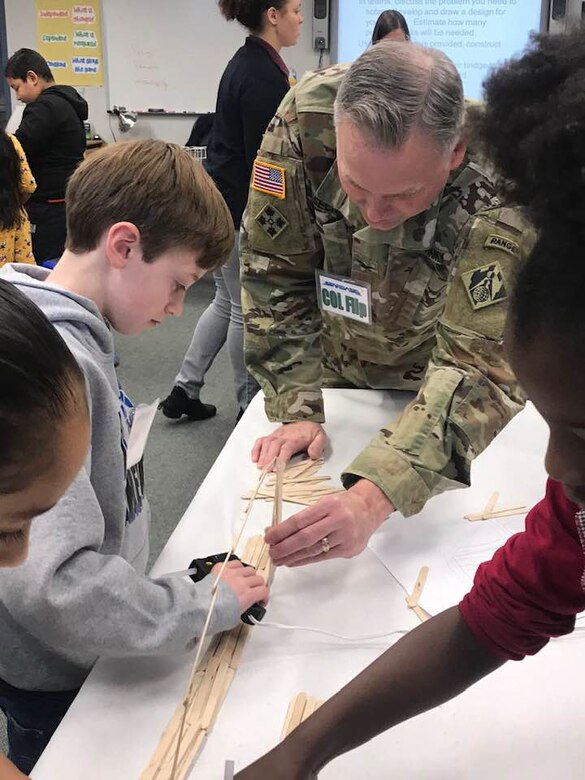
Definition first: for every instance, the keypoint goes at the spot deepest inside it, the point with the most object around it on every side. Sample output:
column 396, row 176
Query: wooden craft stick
column 236, row 657
column 421, row 614
column 310, row 707
column 264, row 559
column 509, row 512
column 236, row 541
column 253, row 551
column 190, row 753
column 231, row 641
column 202, row 694
column 218, row 691
column 277, row 507
column 225, row 649
column 302, row 466
column 296, row 716
column 308, row 480
column 489, row 507
column 299, row 709
column 287, row 718
column 305, row 468
column 414, row 597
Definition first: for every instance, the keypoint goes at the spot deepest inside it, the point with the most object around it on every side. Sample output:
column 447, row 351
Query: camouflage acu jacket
column 439, row 286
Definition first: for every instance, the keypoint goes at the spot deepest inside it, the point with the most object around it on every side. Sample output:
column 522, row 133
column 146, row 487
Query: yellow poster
column 69, row 36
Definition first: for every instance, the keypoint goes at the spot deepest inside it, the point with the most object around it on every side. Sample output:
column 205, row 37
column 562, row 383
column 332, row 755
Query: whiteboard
column 167, row 54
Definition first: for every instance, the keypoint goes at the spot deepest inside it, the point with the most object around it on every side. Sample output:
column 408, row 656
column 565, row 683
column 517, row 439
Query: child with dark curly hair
column 532, row 589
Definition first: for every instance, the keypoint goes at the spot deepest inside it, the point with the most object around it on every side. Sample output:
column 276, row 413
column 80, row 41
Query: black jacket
column 250, row 91
column 53, row 138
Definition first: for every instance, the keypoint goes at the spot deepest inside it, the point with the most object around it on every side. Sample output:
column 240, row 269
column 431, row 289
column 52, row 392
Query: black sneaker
column 179, row 403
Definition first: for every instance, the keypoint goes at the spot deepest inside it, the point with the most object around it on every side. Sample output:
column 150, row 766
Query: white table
column 521, row 722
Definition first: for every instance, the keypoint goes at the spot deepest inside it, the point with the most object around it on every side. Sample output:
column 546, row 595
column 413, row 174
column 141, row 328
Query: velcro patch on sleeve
column 494, row 241
column 269, row 179
column 485, row 286
column 272, row 221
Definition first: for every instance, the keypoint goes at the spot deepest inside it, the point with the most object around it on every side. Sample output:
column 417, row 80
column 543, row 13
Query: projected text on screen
column 476, row 34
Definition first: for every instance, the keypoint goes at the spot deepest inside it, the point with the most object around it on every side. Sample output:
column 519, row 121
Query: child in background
column 16, row 186
column 532, row 589
column 144, row 223
column 52, row 135
column 44, row 432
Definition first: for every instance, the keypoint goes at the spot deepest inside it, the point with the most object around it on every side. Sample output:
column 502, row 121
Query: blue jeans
column 32, row 718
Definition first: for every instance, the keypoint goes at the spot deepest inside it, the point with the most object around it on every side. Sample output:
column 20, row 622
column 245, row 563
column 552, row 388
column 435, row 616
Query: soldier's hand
column 289, row 439
column 337, row 526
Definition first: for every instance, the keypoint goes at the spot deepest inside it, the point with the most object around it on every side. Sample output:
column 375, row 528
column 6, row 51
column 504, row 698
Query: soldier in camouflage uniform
column 415, row 224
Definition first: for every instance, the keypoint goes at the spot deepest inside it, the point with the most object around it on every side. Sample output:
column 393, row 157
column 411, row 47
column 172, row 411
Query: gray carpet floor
column 179, row 454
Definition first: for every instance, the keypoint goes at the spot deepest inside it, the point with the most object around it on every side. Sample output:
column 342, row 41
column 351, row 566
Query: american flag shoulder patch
column 269, row 179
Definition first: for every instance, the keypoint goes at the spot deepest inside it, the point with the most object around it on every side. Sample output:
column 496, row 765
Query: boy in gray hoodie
column 144, row 223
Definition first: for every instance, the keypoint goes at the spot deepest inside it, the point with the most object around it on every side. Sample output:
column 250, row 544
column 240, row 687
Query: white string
column 286, row 627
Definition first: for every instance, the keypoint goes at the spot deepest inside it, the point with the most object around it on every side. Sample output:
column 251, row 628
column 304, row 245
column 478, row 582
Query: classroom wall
column 21, row 31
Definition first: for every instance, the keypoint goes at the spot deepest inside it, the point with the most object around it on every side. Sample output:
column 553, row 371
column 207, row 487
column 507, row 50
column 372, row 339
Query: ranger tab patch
column 485, row 285
column 272, row 222
column 493, row 241
column 269, row 178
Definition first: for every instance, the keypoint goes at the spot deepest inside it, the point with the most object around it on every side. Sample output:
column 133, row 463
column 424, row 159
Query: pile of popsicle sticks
column 210, row 685
column 212, row 673
column 301, row 484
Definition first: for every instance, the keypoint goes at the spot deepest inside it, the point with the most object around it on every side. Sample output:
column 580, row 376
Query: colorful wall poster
column 69, row 36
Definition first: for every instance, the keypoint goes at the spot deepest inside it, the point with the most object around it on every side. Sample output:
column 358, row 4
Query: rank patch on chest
column 269, row 179
column 485, row 285
column 272, row 222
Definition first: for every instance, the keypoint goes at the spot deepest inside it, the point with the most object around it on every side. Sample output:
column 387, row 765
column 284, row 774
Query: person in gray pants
column 251, row 88
column 220, row 322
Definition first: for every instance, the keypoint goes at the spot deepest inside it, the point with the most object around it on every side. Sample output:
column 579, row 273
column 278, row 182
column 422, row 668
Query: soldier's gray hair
column 397, row 87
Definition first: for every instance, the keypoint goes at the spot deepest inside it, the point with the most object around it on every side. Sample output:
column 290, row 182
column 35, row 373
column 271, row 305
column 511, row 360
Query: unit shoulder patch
column 269, row 179
column 485, row 285
column 272, row 222
column 494, row 241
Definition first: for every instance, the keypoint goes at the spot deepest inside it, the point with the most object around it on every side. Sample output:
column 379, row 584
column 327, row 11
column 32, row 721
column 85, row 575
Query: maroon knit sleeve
column 532, row 588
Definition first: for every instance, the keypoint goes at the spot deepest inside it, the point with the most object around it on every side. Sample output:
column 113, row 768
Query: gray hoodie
column 82, row 592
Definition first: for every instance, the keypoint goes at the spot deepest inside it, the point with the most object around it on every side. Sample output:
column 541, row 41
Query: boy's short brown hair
column 160, row 188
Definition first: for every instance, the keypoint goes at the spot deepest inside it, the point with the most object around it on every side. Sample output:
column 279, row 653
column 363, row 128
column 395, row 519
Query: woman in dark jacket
column 251, row 88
